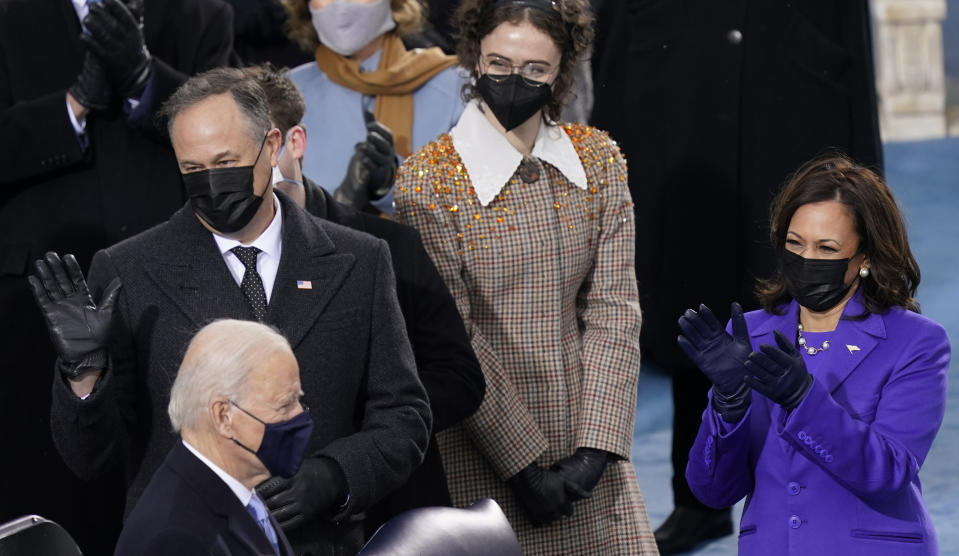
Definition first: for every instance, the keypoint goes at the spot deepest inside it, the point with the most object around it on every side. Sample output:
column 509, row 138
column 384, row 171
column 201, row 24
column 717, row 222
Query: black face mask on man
column 512, row 99
column 223, row 197
column 816, row 284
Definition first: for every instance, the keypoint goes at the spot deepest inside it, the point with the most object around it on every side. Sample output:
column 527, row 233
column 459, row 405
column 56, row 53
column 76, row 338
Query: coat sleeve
column 719, row 471
column 503, row 428
column 444, row 356
column 90, row 433
column 396, row 417
column 877, row 459
column 610, row 318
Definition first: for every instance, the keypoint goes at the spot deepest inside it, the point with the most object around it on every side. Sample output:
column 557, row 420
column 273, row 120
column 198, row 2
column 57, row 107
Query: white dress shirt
column 270, row 242
column 491, row 160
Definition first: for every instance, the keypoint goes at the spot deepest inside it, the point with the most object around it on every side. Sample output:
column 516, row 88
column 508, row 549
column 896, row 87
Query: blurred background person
column 531, row 226
column 236, row 405
column 83, row 166
column 444, row 357
column 826, row 424
column 259, row 28
column 714, row 105
column 366, row 93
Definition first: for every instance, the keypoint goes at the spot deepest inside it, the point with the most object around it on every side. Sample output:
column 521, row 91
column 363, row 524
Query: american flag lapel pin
column 852, row 349
column 304, row 284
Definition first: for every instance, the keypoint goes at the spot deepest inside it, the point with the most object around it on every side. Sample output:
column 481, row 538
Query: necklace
column 809, row 349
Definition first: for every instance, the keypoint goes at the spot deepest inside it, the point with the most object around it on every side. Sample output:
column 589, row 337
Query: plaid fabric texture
column 543, row 277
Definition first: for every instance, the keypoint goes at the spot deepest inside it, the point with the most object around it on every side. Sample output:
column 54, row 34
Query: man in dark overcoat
column 714, row 104
column 77, row 192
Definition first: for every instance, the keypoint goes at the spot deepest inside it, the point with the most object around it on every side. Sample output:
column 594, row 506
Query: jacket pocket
column 747, row 530
column 892, row 536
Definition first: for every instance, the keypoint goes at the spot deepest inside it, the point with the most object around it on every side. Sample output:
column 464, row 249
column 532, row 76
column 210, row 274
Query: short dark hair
column 286, row 102
column 893, row 271
column 568, row 22
column 249, row 96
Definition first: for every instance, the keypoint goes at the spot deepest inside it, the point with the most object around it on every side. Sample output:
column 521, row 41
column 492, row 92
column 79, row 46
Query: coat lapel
column 191, row 272
column 851, row 343
column 311, row 272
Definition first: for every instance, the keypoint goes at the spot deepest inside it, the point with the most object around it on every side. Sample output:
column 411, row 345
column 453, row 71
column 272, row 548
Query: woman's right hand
column 720, row 356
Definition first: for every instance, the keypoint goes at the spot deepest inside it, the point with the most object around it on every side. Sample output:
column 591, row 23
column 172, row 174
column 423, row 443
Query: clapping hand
column 116, row 38
column 372, row 169
column 779, row 373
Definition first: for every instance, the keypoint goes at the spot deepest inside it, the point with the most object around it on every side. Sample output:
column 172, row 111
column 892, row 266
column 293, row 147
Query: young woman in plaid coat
column 531, row 225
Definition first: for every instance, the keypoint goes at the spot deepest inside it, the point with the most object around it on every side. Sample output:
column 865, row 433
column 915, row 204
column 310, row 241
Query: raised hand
column 116, row 37
column 372, row 168
column 779, row 373
column 78, row 327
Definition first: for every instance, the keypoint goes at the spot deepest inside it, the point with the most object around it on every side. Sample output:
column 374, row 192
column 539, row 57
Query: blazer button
column 735, row 36
column 793, row 488
column 795, row 522
column 801, row 435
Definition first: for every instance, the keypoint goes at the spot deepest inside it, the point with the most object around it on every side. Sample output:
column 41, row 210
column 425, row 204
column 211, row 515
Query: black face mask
column 223, row 197
column 512, row 100
column 817, row 284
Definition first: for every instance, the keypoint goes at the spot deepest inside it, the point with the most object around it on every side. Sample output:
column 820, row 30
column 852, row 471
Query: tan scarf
column 399, row 74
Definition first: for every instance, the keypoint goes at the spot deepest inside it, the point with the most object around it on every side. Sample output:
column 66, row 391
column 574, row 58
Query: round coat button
column 795, row 522
column 793, row 488
column 735, row 36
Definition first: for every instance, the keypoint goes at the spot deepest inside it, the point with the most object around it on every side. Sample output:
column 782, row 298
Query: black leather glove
column 317, row 487
column 372, row 168
column 116, row 37
column 720, row 356
column 779, row 373
column 542, row 492
column 92, row 89
column 582, row 471
column 79, row 328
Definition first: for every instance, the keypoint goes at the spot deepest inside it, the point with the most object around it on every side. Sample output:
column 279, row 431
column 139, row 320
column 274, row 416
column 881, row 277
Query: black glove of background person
column 79, row 328
column 116, row 37
column 317, row 487
column 779, row 373
column 719, row 356
column 542, row 492
column 372, row 168
column 92, row 89
column 582, row 471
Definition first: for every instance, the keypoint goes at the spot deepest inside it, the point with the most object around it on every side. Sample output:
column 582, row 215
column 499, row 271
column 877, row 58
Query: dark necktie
column 252, row 285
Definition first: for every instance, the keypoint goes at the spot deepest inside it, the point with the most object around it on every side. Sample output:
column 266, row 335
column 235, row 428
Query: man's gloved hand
column 779, row 373
column 317, row 487
column 116, row 37
column 79, row 328
column 719, row 356
column 582, row 471
column 92, row 89
column 372, row 168
column 542, row 492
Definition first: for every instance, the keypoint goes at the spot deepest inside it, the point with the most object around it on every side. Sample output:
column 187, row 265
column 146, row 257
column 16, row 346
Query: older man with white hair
column 236, row 405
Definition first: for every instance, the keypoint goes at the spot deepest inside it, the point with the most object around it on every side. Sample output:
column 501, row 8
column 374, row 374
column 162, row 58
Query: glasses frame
column 515, row 69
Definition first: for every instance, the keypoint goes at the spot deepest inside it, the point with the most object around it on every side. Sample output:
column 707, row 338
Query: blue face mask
column 278, row 176
column 284, row 443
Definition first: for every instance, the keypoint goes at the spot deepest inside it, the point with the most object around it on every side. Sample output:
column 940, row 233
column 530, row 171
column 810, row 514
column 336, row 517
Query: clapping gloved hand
column 92, row 89
column 372, row 169
column 79, row 328
column 779, row 373
column 116, row 38
column 317, row 487
column 542, row 492
column 581, row 471
column 720, row 356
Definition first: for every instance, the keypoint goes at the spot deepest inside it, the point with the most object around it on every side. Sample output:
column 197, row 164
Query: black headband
column 545, row 5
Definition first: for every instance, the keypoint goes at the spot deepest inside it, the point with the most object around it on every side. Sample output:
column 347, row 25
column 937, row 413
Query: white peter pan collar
column 491, row 160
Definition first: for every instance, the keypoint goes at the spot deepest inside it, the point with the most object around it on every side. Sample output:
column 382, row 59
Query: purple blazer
column 840, row 473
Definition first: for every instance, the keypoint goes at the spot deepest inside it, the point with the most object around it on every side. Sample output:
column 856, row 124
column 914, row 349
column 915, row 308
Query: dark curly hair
column 569, row 24
column 409, row 15
column 893, row 271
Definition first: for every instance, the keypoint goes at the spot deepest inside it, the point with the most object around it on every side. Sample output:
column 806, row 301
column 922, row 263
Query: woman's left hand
column 779, row 373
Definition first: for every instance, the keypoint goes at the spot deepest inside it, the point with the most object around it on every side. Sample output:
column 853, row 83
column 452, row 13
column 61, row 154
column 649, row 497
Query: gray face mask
column 345, row 27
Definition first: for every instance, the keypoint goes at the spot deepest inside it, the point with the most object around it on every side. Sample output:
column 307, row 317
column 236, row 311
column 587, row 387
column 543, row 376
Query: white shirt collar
column 241, row 492
column 268, row 242
column 491, row 160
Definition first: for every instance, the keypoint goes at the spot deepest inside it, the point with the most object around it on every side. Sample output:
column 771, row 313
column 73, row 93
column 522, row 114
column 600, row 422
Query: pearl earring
column 864, row 272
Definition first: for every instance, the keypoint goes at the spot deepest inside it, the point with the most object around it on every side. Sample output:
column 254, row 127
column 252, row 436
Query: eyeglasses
column 301, row 401
column 533, row 73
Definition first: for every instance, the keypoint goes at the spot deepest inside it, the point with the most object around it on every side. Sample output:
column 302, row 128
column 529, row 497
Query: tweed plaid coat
column 543, row 278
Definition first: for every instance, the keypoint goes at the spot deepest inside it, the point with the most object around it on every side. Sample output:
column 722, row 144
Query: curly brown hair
column 569, row 24
column 893, row 271
column 409, row 16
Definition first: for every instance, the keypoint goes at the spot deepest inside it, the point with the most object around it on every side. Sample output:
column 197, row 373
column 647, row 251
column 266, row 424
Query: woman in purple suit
column 824, row 404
